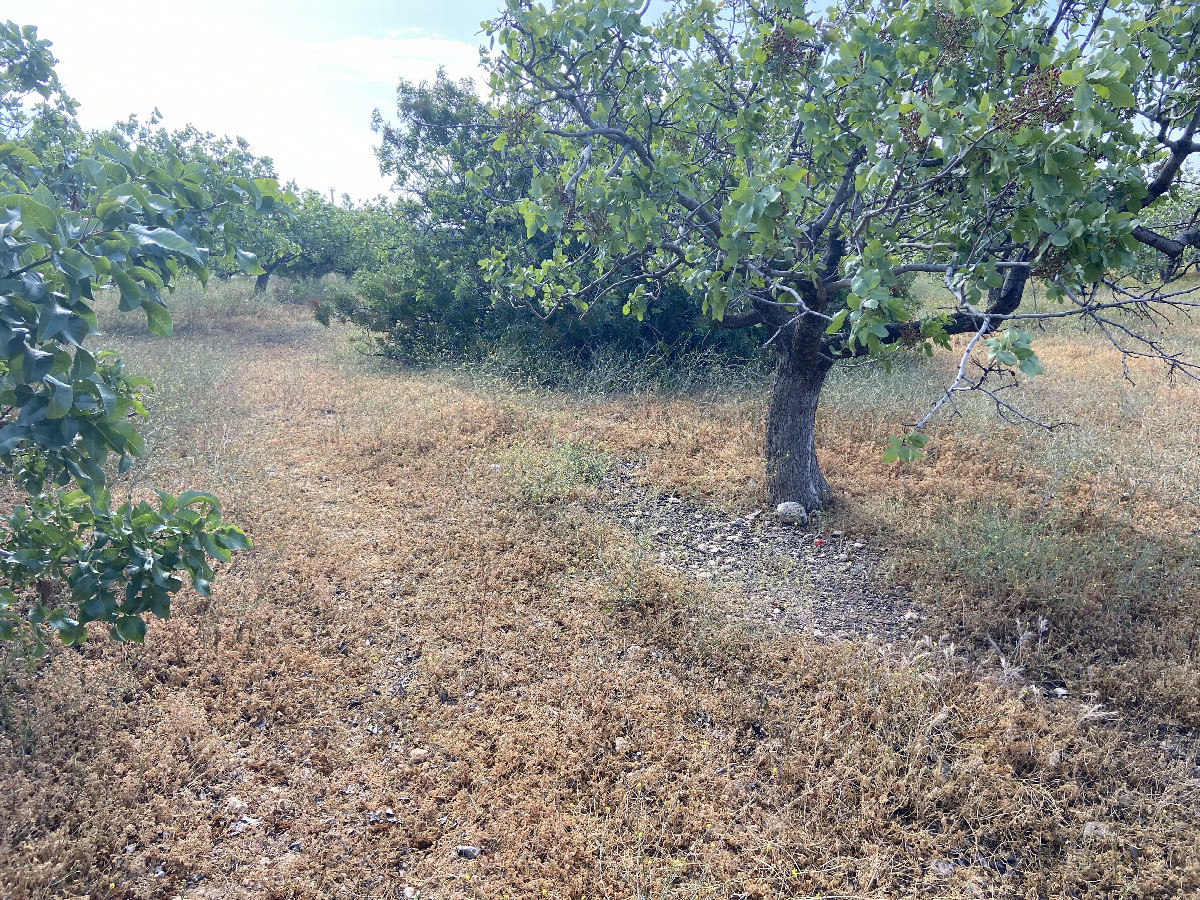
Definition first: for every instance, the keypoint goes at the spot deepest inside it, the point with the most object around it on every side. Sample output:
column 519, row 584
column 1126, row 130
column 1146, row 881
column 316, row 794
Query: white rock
column 792, row 513
column 418, row 754
column 943, row 868
column 622, row 745
column 467, row 852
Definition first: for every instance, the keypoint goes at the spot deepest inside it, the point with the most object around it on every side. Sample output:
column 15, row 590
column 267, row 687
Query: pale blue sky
column 297, row 78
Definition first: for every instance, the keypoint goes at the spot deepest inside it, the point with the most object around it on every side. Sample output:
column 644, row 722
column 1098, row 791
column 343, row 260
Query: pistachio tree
column 78, row 214
column 789, row 169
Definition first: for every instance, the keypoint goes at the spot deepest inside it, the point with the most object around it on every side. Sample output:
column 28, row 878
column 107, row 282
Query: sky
column 297, row 78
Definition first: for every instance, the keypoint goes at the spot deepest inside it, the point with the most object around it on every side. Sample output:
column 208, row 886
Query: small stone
column 912, row 616
column 943, row 868
column 791, row 513
column 858, row 545
column 622, row 745
column 411, row 893
column 467, row 852
column 418, row 754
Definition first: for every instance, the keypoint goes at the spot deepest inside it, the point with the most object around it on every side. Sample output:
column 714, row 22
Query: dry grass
column 429, row 575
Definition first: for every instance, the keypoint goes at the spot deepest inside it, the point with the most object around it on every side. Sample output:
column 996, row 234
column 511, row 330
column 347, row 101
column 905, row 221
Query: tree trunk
column 793, row 474
column 260, row 283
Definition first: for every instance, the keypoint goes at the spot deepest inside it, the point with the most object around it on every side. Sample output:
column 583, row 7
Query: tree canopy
column 424, row 295
column 788, row 169
column 79, row 213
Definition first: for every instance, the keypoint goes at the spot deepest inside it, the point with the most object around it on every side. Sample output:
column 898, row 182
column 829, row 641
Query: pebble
column 467, row 852
column 418, row 754
column 622, row 745
column 792, row 513
column 411, row 893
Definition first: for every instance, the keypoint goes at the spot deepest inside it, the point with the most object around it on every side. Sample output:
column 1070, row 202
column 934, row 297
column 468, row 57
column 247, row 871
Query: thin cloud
column 387, row 59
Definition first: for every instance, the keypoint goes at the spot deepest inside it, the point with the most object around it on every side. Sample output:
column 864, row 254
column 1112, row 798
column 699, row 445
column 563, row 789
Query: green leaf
column 187, row 498
column 249, row 263
column 132, row 293
column 158, row 318
column 1120, row 95
column 33, row 214
column 129, row 629
column 165, row 239
column 61, row 398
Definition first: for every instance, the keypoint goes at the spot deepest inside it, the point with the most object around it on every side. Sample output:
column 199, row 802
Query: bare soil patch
column 765, row 573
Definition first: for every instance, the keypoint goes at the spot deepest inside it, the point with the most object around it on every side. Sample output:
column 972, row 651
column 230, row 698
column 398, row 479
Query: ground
column 475, row 618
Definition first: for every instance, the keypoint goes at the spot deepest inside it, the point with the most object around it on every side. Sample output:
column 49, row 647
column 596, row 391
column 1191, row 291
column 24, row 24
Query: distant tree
column 315, row 238
column 425, row 295
column 787, row 170
column 78, row 214
column 307, row 238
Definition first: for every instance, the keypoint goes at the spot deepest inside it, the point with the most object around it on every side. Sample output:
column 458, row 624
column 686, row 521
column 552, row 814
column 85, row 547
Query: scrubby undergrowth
column 430, row 575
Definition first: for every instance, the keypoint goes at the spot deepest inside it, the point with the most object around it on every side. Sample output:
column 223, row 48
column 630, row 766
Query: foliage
column 425, row 298
column 77, row 215
column 786, row 170
column 308, row 238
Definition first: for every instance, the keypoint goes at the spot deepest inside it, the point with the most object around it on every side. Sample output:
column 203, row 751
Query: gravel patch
column 763, row 571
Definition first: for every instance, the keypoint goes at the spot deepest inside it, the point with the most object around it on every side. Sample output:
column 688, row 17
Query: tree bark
column 260, row 283
column 793, row 474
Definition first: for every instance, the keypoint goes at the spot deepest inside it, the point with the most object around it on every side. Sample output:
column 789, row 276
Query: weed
column 552, row 474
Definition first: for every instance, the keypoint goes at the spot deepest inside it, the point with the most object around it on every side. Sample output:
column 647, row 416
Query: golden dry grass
column 430, row 574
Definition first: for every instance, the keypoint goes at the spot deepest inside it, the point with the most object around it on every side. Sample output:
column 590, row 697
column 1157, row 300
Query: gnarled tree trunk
column 260, row 283
column 793, row 474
